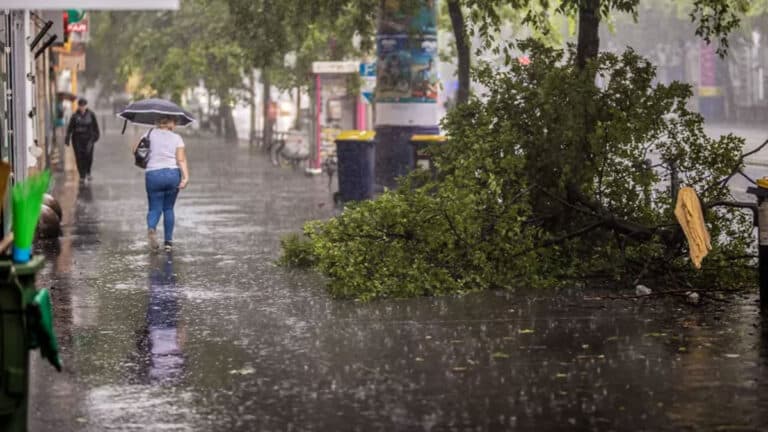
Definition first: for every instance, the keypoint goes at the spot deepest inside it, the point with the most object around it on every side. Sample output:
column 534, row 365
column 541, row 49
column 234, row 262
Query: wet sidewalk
column 215, row 337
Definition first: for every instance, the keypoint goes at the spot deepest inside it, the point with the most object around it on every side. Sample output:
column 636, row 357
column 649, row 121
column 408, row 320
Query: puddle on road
column 135, row 407
column 217, row 338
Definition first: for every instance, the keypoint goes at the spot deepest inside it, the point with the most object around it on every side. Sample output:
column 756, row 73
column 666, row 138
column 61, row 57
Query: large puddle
column 216, row 338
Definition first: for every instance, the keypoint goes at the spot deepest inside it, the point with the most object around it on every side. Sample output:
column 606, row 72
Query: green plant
column 297, row 252
column 548, row 178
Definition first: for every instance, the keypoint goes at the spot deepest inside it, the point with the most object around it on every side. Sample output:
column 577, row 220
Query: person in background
column 83, row 132
column 166, row 174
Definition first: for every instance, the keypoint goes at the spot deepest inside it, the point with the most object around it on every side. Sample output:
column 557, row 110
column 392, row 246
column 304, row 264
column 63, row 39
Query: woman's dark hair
column 82, row 102
column 167, row 119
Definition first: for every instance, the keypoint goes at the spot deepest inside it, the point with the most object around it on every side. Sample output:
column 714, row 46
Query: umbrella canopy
column 149, row 111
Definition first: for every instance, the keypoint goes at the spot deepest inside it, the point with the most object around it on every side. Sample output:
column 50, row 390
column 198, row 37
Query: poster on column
column 397, row 19
column 407, row 80
column 407, row 54
column 407, row 72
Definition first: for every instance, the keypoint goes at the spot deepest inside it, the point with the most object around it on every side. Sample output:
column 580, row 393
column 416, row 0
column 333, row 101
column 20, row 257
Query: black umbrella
column 150, row 111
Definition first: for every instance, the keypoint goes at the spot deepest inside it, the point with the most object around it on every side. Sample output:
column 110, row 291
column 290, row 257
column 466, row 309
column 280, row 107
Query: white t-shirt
column 162, row 149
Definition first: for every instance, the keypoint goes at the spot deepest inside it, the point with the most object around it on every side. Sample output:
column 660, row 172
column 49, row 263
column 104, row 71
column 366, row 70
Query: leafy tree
column 171, row 52
column 325, row 37
column 108, row 30
column 499, row 212
column 263, row 29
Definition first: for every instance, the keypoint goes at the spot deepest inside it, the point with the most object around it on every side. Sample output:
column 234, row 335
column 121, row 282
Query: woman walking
column 166, row 174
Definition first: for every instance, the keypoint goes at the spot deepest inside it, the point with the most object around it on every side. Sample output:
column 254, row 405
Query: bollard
column 762, row 242
column 25, row 324
column 51, row 202
column 49, row 224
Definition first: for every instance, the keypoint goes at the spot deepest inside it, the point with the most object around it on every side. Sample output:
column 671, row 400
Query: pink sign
column 708, row 65
column 78, row 27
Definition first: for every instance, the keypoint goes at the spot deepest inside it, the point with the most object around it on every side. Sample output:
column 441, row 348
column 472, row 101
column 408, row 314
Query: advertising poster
column 407, row 72
column 407, row 54
column 396, row 19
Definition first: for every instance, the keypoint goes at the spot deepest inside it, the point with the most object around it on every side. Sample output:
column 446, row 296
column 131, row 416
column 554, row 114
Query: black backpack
column 141, row 155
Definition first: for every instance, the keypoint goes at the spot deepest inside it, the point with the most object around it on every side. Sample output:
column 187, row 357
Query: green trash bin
column 26, row 323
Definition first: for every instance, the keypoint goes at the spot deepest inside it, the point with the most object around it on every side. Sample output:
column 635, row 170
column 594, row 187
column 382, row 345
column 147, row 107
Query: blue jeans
column 162, row 189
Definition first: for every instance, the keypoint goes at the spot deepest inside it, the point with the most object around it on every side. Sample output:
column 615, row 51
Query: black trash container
column 355, row 153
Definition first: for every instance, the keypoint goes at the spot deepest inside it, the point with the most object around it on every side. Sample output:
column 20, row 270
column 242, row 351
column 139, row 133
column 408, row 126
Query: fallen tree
column 548, row 179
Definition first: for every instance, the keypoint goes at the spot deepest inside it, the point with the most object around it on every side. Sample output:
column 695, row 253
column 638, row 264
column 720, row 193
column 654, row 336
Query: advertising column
column 406, row 85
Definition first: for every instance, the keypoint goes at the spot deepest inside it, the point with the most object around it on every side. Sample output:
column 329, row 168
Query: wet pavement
column 215, row 337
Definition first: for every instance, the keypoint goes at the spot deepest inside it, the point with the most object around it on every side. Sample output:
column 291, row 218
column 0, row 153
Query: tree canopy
column 499, row 212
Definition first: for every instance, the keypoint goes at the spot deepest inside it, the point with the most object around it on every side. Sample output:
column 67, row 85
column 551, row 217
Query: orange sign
column 272, row 111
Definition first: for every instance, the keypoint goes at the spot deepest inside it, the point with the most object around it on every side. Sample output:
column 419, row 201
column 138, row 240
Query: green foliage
column 530, row 191
column 109, row 30
column 173, row 51
column 297, row 252
column 716, row 19
column 215, row 40
column 417, row 241
column 170, row 51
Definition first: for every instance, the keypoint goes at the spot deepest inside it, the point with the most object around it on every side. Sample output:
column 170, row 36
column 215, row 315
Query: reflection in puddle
column 164, row 336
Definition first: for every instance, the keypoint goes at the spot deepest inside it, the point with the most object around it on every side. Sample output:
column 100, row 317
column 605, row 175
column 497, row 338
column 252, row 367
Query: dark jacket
column 83, row 127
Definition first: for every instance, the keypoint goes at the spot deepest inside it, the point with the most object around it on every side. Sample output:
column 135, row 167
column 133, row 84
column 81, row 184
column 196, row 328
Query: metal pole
column 762, row 229
column 73, row 76
column 7, row 113
column 20, row 93
column 252, row 108
column 315, row 138
column 318, row 123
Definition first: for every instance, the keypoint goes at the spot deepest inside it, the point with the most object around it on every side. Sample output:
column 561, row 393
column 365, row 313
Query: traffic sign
column 368, row 78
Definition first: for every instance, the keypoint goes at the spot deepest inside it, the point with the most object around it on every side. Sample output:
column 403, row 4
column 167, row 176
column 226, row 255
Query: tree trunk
column 230, row 129
column 267, row 130
column 297, row 124
column 589, row 32
column 462, row 48
column 210, row 110
column 226, row 118
column 252, row 104
column 587, row 49
column 217, row 120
